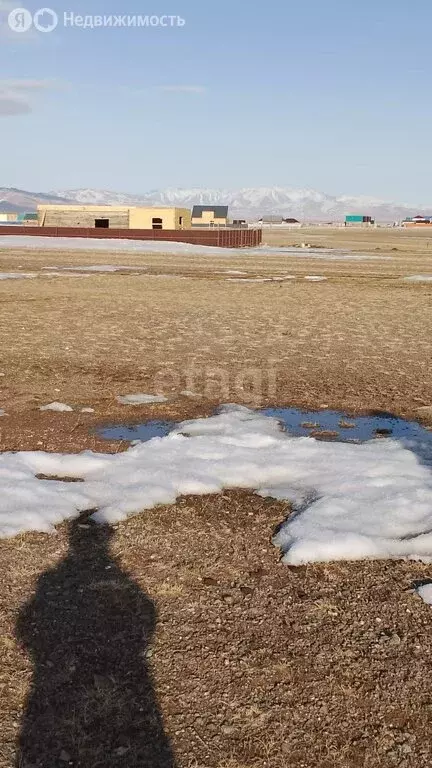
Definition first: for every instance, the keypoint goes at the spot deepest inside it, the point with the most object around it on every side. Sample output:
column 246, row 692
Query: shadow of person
column 87, row 630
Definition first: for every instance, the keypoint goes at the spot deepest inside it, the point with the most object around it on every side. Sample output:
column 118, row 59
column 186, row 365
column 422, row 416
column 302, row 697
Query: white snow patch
column 58, row 407
column 96, row 244
column 425, row 592
column 351, row 501
column 418, row 279
column 166, row 246
column 2, row 412
column 96, row 268
column 87, row 410
column 140, row 399
column 17, row 275
column 315, row 278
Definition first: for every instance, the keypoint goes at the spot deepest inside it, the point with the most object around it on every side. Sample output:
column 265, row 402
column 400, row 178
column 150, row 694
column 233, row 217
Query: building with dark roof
column 210, row 216
column 417, row 221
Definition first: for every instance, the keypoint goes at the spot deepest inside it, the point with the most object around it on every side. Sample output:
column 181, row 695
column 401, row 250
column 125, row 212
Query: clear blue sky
column 328, row 94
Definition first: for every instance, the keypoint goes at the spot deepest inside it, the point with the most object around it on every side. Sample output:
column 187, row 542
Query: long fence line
column 222, row 238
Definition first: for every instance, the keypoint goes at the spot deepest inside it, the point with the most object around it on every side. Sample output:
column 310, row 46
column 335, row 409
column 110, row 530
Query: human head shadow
column 87, row 630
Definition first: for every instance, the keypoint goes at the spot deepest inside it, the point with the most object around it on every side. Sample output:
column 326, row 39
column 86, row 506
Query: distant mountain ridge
column 249, row 202
column 20, row 201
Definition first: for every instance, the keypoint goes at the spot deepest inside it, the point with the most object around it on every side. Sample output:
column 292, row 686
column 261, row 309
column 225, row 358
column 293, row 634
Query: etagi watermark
column 47, row 20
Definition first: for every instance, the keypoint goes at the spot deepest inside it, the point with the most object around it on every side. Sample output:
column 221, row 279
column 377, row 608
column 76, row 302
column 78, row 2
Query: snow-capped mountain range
column 251, row 203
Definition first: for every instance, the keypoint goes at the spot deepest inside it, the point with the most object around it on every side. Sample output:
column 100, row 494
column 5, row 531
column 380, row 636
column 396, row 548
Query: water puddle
column 336, row 425
column 322, row 425
column 140, row 432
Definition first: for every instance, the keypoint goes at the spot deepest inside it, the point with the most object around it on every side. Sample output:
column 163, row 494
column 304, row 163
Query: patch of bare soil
column 180, row 639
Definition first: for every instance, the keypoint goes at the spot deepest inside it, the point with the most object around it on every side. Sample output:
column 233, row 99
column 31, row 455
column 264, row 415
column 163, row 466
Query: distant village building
column 8, row 217
column 28, row 219
column 358, row 220
column 418, row 221
column 210, row 216
column 113, row 217
column 13, row 217
column 269, row 221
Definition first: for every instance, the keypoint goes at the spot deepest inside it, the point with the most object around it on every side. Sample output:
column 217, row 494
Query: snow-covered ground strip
column 141, row 399
column 32, row 275
column 351, row 501
column 96, row 244
column 166, row 246
column 315, row 278
column 96, row 268
column 418, row 279
column 17, row 275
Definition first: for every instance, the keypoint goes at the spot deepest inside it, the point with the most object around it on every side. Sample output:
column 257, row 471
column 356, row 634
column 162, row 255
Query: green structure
column 358, row 219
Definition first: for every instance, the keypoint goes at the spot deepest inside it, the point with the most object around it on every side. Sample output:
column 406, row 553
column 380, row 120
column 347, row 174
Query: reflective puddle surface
column 131, row 432
column 323, row 425
column 336, row 425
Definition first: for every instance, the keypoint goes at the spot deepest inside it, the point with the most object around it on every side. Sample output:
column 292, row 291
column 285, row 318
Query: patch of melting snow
column 425, row 592
column 87, row 410
column 322, row 425
column 113, row 245
column 350, row 501
column 165, row 246
column 17, row 275
column 418, row 279
column 2, row 412
column 97, row 268
column 315, row 278
column 141, row 399
column 58, row 407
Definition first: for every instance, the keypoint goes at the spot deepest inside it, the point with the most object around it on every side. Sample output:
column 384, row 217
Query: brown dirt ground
column 253, row 663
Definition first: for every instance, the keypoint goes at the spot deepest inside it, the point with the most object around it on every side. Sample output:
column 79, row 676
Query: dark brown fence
column 222, row 238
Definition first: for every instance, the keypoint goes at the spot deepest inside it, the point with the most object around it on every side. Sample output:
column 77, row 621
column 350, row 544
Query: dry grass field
column 243, row 662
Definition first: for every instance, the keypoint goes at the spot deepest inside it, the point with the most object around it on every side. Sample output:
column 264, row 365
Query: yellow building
column 113, row 217
column 210, row 216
